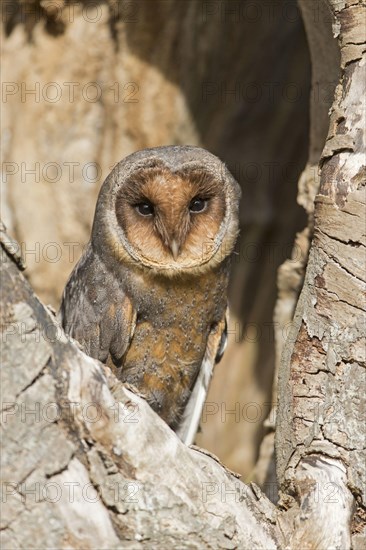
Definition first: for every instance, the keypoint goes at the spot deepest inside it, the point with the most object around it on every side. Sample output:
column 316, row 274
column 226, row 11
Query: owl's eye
column 197, row 205
column 145, row 208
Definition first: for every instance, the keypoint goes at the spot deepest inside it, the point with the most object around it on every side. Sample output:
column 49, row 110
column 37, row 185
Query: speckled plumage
column 157, row 318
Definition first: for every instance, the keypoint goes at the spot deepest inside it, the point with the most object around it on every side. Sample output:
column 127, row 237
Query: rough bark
column 87, row 464
column 325, row 67
column 320, row 432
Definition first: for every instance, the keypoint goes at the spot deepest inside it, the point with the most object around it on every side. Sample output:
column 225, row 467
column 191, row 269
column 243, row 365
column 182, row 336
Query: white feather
column 192, row 413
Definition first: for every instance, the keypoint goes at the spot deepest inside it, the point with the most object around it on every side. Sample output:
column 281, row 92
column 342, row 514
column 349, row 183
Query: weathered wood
column 320, row 433
column 87, row 464
column 79, row 472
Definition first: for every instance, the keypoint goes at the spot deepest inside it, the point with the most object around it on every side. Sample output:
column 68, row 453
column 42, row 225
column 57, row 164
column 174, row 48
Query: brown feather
column 150, row 291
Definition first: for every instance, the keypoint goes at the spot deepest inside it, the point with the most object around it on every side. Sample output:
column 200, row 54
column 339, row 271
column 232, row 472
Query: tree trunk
column 321, row 429
column 98, row 80
column 87, row 463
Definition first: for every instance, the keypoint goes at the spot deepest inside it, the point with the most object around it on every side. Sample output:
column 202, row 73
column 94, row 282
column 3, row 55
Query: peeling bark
column 320, row 433
column 325, row 62
column 314, row 404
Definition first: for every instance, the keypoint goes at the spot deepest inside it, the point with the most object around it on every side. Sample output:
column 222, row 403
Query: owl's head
column 169, row 209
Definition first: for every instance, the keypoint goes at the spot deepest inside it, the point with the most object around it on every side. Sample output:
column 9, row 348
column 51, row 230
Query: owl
column 149, row 294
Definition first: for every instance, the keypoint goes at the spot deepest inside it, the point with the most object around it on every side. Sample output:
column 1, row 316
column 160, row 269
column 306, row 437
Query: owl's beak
column 174, row 247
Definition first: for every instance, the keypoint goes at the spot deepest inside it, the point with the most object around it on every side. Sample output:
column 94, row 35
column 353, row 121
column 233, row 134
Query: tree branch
column 87, row 462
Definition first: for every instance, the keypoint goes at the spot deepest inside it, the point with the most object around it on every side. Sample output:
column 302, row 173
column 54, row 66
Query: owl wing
column 216, row 344
column 96, row 312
